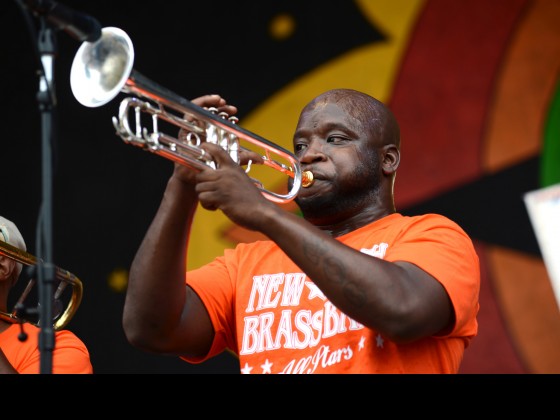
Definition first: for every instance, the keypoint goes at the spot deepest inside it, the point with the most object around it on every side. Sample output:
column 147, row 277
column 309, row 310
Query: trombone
column 103, row 68
column 65, row 278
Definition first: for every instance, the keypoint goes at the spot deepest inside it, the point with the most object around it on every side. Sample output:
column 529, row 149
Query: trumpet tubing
column 103, row 69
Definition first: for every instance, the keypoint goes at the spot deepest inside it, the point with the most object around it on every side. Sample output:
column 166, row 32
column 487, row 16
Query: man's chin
column 313, row 205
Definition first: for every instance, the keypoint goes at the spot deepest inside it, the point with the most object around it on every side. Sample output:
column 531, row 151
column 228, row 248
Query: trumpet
column 63, row 315
column 104, row 68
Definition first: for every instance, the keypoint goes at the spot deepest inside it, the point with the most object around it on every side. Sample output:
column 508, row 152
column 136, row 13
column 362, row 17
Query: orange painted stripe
column 525, row 88
column 443, row 92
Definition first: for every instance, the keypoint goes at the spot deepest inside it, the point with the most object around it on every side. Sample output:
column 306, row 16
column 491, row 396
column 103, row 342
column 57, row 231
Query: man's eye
column 335, row 139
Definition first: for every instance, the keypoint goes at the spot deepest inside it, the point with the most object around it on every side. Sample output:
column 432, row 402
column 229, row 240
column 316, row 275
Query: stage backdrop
column 474, row 84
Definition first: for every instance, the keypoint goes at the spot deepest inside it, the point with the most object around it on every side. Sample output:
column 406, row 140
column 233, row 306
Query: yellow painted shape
column 371, row 69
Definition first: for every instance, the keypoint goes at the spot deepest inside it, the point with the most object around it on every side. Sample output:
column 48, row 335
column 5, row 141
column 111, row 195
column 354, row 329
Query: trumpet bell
column 100, row 69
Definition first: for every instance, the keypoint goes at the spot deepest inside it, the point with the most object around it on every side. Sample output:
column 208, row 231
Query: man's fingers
column 215, row 101
column 216, row 153
column 221, row 157
column 248, row 155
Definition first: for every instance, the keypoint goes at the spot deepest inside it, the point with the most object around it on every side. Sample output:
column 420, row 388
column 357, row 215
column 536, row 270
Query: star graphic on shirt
column 379, row 340
column 246, row 369
column 266, row 367
column 314, row 291
column 362, row 343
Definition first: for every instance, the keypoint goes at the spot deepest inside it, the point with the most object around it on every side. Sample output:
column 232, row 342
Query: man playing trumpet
column 352, row 287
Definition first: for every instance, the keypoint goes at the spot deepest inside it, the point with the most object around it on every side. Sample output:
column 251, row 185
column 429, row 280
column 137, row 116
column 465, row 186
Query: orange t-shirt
column 69, row 355
column 276, row 320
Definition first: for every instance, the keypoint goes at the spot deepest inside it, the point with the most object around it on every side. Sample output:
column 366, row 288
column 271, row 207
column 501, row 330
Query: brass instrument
column 64, row 277
column 102, row 69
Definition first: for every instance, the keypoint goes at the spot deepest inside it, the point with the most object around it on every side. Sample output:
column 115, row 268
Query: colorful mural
column 474, row 84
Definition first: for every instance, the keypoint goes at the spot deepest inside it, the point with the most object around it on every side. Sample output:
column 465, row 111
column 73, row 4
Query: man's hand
column 230, row 189
column 181, row 171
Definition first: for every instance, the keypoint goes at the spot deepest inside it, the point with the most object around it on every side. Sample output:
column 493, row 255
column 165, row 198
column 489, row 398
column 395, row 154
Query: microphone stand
column 83, row 28
column 46, row 98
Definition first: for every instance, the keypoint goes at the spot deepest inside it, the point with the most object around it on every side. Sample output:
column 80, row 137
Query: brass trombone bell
column 64, row 278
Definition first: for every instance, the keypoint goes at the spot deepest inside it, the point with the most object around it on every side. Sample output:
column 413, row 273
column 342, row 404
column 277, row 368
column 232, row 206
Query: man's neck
column 355, row 222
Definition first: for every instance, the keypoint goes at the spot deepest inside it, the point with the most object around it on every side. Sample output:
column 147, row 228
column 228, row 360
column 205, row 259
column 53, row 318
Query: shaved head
column 374, row 116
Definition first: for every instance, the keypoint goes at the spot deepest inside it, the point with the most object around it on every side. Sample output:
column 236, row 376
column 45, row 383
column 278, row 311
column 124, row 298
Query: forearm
column 377, row 293
column 5, row 365
column 156, row 289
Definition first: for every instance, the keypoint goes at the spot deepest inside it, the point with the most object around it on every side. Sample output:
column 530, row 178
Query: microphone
column 78, row 25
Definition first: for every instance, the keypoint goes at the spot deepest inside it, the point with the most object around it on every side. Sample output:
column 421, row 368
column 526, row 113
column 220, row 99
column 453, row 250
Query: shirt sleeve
column 70, row 354
column 214, row 284
column 440, row 247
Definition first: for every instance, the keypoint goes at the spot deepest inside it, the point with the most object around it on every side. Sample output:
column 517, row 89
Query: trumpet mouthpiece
column 307, row 179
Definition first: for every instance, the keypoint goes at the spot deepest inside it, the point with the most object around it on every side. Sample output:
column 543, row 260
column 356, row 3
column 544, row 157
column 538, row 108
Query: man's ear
column 6, row 267
column 391, row 159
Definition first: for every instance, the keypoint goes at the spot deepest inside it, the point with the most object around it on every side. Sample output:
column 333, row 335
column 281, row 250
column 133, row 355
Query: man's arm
column 5, row 365
column 398, row 299
column 161, row 314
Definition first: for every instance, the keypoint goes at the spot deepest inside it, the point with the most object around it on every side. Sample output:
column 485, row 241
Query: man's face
column 340, row 152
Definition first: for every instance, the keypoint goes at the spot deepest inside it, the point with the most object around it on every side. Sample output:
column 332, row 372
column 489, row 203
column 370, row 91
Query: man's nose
column 314, row 152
